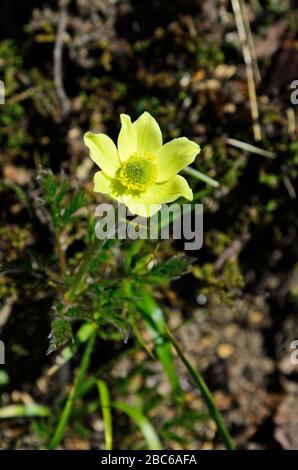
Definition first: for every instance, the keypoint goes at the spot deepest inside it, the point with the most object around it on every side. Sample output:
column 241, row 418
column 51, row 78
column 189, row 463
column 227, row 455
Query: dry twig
column 248, row 55
column 58, row 58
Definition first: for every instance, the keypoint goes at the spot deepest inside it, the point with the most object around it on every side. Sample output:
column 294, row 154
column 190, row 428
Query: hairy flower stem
column 60, row 254
column 80, row 276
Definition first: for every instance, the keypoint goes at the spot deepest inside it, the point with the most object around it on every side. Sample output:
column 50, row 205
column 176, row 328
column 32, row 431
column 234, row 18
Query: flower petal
column 140, row 207
column 127, row 140
column 149, row 137
column 102, row 183
column 103, row 152
column 174, row 156
column 170, row 190
column 148, row 203
column 106, row 185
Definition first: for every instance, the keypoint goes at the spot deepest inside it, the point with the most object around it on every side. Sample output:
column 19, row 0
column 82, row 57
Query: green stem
column 93, row 249
column 200, row 176
column 60, row 254
column 80, row 276
column 59, row 432
column 206, row 394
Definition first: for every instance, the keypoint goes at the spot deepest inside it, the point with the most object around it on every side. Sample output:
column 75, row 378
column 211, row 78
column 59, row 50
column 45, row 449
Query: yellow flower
column 142, row 172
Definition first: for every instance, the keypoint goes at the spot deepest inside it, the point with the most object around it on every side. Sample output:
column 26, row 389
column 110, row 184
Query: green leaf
column 78, row 312
column 145, row 426
column 206, row 395
column 24, row 411
column 106, row 413
column 64, row 418
column 48, row 184
column 154, row 319
column 74, row 203
column 167, row 270
column 61, row 332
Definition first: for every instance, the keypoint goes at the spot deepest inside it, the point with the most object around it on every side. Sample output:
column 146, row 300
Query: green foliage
column 104, row 397
column 61, row 203
column 168, row 270
column 206, row 394
column 112, row 304
column 11, row 61
column 208, row 55
column 154, row 318
column 61, row 332
column 84, row 292
column 12, row 116
column 148, row 431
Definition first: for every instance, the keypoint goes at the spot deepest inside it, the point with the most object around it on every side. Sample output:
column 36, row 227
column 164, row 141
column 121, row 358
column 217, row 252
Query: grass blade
column 24, row 411
column 206, row 395
column 143, row 423
column 154, row 319
column 104, row 397
column 59, row 432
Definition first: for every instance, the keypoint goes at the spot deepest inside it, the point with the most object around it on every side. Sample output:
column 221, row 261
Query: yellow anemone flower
column 142, row 172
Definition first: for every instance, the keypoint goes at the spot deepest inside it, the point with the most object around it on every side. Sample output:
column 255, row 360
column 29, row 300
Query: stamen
column 138, row 172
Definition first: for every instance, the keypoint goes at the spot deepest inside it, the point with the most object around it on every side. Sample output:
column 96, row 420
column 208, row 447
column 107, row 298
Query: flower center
column 138, row 172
